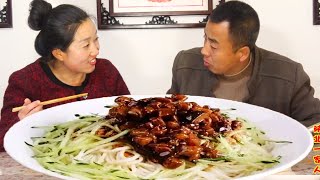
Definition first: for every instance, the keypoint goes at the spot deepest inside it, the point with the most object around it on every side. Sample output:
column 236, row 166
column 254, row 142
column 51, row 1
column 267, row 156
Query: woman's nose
column 95, row 50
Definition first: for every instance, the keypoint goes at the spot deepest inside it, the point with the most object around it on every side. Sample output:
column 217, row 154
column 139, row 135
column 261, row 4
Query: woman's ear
column 243, row 53
column 58, row 54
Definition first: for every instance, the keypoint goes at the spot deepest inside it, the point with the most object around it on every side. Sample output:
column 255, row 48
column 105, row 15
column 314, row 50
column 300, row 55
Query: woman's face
column 80, row 57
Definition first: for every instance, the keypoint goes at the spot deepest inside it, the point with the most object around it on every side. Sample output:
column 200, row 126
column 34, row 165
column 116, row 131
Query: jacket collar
column 212, row 83
column 253, row 83
column 255, row 79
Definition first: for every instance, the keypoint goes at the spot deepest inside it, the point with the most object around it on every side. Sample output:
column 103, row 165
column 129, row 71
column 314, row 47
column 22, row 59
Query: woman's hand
column 30, row 108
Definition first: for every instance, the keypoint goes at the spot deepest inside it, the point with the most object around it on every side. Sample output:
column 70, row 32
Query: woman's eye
column 96, row 39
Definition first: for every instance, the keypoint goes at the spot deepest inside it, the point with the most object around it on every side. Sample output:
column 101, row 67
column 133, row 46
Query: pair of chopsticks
column 54, row 101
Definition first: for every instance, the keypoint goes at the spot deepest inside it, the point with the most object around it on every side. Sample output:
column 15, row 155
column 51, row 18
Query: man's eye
column 213, row 46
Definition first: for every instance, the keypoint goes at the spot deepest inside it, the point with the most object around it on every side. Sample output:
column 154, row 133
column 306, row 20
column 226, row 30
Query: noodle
column 79, row 153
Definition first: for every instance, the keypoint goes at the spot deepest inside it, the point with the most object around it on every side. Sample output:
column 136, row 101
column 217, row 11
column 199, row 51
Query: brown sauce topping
column 168, row 130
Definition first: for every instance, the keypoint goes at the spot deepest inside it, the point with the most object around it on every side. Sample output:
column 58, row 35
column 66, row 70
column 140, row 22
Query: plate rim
column 258, row 175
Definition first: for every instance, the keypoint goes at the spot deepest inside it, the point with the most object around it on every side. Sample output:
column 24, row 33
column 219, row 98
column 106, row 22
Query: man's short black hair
column 243, row 21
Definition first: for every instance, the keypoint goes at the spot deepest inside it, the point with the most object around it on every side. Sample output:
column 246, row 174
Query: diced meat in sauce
column 167, row 130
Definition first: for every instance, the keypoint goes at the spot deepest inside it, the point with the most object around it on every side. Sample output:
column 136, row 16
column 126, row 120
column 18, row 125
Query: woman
column 68, row 45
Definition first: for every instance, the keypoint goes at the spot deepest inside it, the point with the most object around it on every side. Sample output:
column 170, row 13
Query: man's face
column 217, row 51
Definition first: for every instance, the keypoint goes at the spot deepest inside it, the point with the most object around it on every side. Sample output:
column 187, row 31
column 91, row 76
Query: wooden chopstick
column 54, row 101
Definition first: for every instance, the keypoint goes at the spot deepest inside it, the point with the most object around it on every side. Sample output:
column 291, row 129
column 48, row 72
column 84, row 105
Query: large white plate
column 277, row 126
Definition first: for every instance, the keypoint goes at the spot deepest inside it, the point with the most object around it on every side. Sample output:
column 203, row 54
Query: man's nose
column 204, row 50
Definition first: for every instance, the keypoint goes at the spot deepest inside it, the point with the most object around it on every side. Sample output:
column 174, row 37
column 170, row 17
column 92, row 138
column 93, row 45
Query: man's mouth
column 205, row 62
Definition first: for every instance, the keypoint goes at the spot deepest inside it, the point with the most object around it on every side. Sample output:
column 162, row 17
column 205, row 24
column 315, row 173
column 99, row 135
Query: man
column 231, row 66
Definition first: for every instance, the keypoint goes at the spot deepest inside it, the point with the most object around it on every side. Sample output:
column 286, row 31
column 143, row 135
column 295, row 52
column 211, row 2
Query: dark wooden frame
column 316, row 12
column 6, row 15
column 173, row 13
column 107, row 19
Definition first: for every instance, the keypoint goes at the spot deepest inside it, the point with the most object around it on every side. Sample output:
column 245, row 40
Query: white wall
column 144, row 56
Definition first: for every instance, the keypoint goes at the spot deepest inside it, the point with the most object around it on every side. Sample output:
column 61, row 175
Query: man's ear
column 243, row 53
column 58, row 54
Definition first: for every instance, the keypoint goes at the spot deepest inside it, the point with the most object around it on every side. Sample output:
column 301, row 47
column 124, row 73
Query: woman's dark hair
column 243, row 21
column 57, row 26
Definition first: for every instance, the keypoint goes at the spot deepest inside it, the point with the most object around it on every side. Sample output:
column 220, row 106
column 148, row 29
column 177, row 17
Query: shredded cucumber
column 73, row 149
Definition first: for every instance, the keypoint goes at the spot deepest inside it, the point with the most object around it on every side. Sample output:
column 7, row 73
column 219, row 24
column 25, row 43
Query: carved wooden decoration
column 316, row 12
column 111, row 16
column 5, row 14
